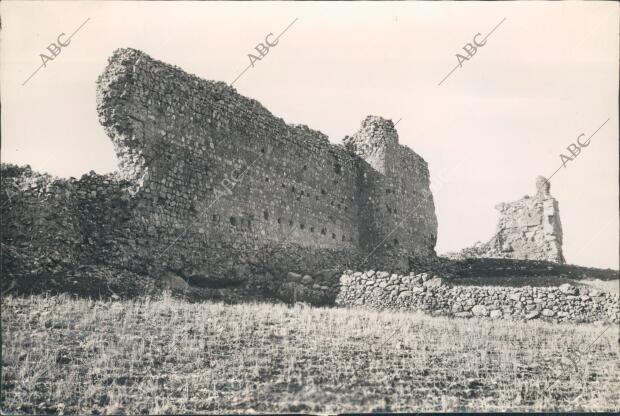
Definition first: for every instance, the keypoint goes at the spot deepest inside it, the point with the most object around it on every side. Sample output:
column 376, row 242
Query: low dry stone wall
column 382, row 290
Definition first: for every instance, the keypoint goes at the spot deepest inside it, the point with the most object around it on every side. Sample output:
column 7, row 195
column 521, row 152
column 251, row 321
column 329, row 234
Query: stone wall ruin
column 528, row 229
column 214, row 187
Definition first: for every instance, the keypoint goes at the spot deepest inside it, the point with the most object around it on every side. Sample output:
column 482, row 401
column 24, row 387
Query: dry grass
column 168, row 356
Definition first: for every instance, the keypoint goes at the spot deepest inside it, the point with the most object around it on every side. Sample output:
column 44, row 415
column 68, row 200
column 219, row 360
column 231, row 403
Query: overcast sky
column 546, row 75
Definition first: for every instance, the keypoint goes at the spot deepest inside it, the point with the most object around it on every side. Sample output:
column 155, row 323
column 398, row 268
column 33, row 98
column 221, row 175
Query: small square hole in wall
column 266, row 178
column 396, row 241
column 302, row 226
column 311, row 229
column 266, row 215
column 323, row 231
column 215, row 218
column 323, row 191
column 333, row 236
column 279, row 220
column 233, row 220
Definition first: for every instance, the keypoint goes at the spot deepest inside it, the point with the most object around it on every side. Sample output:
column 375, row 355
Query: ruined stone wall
column 215, row 187
column 397, row 210
column 49, row 223
column 528, row 229
column 382, row 290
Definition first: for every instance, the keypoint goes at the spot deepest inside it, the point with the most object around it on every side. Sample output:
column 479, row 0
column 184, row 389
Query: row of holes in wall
column 337, row 166
column 339, row 205
column 337, row 169
column 233, row 222
column 248, row 222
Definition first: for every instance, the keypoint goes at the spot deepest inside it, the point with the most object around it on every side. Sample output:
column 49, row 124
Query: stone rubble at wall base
column 305, row 205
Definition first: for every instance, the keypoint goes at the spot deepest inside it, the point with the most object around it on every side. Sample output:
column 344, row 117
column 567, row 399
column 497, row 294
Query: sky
column 547, row 74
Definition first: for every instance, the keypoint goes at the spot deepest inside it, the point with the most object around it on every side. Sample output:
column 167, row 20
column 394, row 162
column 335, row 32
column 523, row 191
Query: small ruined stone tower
column 529, row 229
column 552, row 227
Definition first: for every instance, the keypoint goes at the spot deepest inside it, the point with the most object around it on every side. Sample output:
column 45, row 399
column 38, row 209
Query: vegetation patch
column 77, row 356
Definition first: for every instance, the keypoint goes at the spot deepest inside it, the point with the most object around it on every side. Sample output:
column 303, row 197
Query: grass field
column 71, row 356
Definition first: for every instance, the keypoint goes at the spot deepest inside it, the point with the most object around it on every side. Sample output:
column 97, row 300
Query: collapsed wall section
column 528, row 229
column 49, row 224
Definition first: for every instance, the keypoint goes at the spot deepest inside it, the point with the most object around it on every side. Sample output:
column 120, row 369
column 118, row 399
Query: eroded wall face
column 220, row 176
column 528, row 229
column 211, row 185
column 398, row 214
column 50, row 223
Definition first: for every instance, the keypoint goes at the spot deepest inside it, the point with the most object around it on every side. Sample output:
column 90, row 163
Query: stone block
column 480, row 310
column 496, row 313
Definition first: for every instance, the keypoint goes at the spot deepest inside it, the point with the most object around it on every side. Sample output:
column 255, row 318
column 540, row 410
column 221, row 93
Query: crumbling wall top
column 542, row 187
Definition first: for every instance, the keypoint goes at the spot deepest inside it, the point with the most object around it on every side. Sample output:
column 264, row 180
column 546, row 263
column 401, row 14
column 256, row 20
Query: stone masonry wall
column 294, row 192
column 382, row 290
column 50, row 223
column 212, row 186
column 528, row 229
column 396, row 207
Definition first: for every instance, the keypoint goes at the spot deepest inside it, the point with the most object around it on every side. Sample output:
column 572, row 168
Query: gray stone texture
column 528, row 229
column 212, row 187
column 408, row 292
